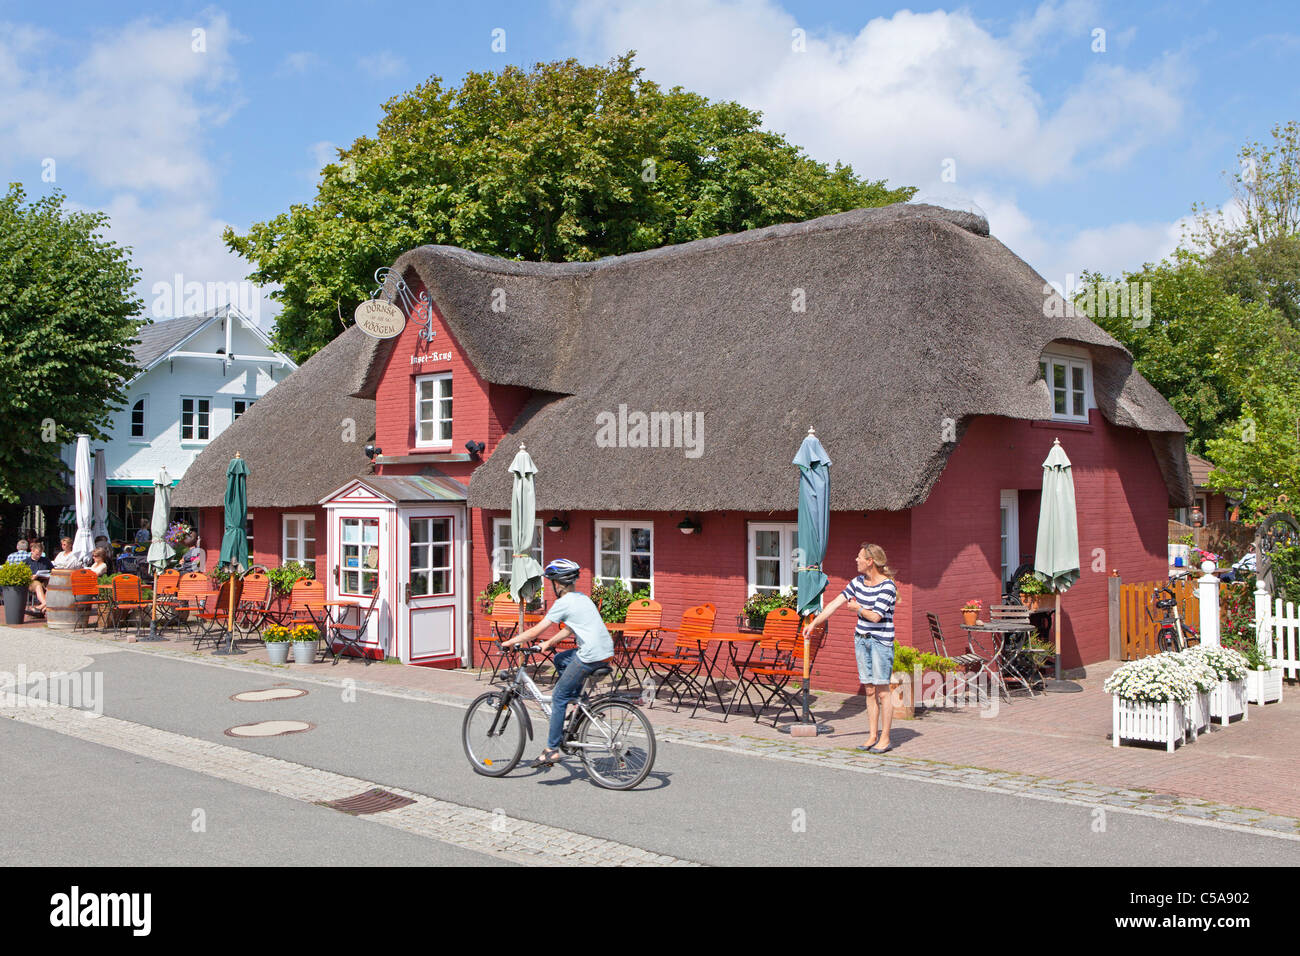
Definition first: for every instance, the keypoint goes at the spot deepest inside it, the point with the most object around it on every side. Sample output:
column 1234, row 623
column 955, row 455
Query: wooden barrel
column 60, row 608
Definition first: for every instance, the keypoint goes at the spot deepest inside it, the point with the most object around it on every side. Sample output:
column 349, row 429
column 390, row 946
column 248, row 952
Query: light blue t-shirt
column 579, row 614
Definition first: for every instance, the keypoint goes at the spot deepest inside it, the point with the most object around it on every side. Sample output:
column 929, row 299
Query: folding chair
column 85, row 597
column 306, row 591
column 963, row 678
column 126, row 598
column 644, row 618
column 680, row 669
column 165, row 587
column 213, row 622
column 349, row 635
column 505, row 614
column 193, row 593
column 1014, row 661
column 775, row 649
column 254, row 603
column 776, row 678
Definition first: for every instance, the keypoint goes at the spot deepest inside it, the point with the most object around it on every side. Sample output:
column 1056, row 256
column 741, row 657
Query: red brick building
column 674, row 386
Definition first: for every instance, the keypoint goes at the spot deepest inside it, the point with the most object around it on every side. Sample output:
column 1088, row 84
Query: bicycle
column 1172, row 634
column 611, row 735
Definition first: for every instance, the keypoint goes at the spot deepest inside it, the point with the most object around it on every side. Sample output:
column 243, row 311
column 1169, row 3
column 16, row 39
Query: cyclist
column 578, row 616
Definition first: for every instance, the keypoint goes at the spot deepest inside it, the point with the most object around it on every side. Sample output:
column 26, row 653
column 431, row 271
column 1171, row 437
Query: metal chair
column 777, row 678
column 127, row 598
column 506, row 613
column 340, row 634
column 85, row 597
column 775, row 649
column 680, row 669
column 214, row 622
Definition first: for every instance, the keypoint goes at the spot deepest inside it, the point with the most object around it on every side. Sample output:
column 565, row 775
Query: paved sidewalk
column 1055, row 746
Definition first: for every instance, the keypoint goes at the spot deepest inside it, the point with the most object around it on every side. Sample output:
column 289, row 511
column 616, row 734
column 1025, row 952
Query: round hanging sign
column 381, row 319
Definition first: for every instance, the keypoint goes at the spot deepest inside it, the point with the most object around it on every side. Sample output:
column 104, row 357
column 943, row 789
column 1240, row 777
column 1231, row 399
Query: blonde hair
column 877, row 555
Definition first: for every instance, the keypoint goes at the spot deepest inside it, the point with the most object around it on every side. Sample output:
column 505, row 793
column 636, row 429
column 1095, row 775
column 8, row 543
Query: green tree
column 67, row 312
column 564, row 162
column 1258, row 456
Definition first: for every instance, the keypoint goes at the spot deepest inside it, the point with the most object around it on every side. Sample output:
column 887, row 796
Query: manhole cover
column 271, row 693
column 269, row 728
column 372, row 801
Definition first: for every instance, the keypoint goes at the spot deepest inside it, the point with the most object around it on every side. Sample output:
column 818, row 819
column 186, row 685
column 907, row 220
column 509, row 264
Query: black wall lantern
column 474, row 447
column 688, row 525
column 557, row 524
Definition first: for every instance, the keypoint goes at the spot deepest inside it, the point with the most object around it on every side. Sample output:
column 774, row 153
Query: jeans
column 573, row 674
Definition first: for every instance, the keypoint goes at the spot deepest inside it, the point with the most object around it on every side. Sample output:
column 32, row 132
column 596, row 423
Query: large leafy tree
column 563, row 162
column 67, row 317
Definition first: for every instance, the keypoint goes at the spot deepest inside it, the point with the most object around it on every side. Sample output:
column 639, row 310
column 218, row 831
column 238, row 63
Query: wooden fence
column 1137, row 632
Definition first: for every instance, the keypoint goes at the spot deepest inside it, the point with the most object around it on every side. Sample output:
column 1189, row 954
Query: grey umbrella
column 159, row 551
column 525, row 572
column 814, row 529
column 1056, row 557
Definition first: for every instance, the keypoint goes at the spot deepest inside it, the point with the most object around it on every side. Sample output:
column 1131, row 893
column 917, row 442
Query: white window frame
column 624, row 552
column 501, row 553
column 440, row 443
column 360, row 570
column 1070, row 361
column 195, row 439
column 143, row 402
column 1009, row 543
column 300, row 538
column 235, row 411
column 789, row 532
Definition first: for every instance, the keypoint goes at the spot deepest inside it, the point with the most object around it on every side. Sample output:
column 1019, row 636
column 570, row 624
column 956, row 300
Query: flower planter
column 969, row 617
column 1031, row 601
column 1198, row 714
column 304, row 652
column 1140, row 720
column 1228, row 700
column 1264, row 687
column 904, row 701
column 277, row 652
column 15, row 603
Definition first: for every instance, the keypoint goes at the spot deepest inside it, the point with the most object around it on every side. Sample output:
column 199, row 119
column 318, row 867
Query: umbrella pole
column 153, row 609
column 1056, row 621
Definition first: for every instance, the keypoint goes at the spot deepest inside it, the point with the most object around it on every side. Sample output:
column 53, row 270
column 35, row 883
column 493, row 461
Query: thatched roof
column 913, row 315
column 293, row 439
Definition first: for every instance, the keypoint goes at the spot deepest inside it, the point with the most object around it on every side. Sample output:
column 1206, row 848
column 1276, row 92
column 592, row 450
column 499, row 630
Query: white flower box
column 1198, row 714
column 1264, row 687
column 1228, row 700
column 1163, row 723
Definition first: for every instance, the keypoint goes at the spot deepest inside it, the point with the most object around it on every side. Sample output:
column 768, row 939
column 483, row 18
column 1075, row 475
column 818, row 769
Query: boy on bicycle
column 579, row 616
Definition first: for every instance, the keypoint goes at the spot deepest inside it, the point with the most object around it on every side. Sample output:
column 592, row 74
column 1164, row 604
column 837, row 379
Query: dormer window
column 433, row 411
column 1069, row 383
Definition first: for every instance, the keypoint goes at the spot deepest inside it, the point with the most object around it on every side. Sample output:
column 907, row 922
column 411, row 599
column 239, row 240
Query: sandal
column 544, row 761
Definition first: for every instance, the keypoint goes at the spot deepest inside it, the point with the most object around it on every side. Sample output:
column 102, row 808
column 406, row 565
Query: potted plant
column 910, row 683
column 287, row 575
column 1032, row 589
column 1204, row 680
column 1228, row 698
column 15, row 578
column 970, row 612
column 1263, row 680
column 304, row 638
column 489, row 594
column 1149, row 700
column 613, row 600
column 276, row 639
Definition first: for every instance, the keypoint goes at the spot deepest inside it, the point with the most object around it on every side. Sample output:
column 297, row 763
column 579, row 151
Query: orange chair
column 341, row 635
column 775, row 649
column 774, row 678
column 680, row 669
column 644, row 618
column 214, row 621
column 85, row 595
column 503, row 621
column 254, row 603
column 127, row 602
column 306, row 592
column 193, row 594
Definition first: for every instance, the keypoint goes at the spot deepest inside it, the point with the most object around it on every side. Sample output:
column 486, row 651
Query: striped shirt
column 880, row 598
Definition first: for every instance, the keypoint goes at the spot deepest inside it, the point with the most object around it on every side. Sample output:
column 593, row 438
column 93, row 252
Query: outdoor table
column 732, row 641
column 1001, row 630
column 625, row 655
column 326, row 619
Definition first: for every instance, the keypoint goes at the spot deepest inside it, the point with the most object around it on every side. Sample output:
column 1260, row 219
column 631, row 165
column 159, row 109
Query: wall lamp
column 557, row 524
column 688, row 525
column 474, row 447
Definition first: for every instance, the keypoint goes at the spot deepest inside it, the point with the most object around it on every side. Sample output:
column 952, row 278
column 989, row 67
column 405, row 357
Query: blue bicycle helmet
column 562, row 570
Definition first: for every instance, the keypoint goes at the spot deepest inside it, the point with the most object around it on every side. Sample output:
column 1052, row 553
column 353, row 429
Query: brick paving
column 1056, row 745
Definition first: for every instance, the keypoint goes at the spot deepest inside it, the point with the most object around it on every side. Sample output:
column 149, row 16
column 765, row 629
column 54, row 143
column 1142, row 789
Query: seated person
column 99, row 562
column 20, row 553
column 66, row 560
column 145, row 534
column 194, row 557
column 41, row 567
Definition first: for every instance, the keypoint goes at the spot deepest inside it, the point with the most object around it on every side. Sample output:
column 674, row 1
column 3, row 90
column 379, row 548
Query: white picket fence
column 1278, row 631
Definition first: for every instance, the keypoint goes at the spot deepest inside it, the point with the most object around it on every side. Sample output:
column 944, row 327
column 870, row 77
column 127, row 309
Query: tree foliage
column 67, row 317
column 562, row 162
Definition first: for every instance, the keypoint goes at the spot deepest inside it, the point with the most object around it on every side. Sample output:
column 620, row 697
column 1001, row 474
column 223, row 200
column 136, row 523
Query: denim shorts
column 875, row 659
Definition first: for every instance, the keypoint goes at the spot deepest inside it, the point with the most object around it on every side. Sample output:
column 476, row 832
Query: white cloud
column 382, row 65
column 299, row 62
column 132, row 115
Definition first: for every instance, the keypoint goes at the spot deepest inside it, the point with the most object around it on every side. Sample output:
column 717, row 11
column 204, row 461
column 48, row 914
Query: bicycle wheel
column 622, row 745
column 1167, row 641
column 493, row 752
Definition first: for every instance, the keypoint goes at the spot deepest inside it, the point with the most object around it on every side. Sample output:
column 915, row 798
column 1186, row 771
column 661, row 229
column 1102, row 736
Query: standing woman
column 873, row 595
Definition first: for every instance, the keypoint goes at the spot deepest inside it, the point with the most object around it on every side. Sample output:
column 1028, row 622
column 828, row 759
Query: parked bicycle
column 1172, row 633
column 611, row 735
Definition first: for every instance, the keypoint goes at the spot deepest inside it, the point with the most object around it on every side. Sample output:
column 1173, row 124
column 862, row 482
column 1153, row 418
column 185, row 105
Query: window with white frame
column 625, row 552
column 1069, row 382
column 771, row 557
column 430, row 556
column 299, row 542
column 503, row 548
column 242, row 405
column 359, row 542
column 1010, row 533
column 433, row 411
column 137, row 416
column 196, row 418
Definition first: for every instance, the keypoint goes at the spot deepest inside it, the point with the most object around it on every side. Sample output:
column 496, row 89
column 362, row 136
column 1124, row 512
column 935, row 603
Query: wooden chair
column 307, row 591
column 341, row 634
column 964, row 661
column 127, row 602
column 1014, row 662
column 640, row 628
column 776, row 678
column 193, row 594
column 214, row 621
column 503, row 621
column 681, row 669
column 85, row 597
column 254, row 604
column 775, row 649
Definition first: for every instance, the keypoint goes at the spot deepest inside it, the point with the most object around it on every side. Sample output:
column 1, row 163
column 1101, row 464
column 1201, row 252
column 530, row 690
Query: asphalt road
column 700, row 804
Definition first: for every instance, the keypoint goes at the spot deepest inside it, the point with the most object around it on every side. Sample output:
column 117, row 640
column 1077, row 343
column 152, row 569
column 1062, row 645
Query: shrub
column 491, row 592
column 1154, row 679
column 614, row 599
column 759, row 604
column 287, row 575
column 15, row 575
column 905, row 658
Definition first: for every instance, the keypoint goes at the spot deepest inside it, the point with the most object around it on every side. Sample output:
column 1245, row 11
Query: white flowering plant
column 1154, row 679
column 1204, row 677
column 1226, row 663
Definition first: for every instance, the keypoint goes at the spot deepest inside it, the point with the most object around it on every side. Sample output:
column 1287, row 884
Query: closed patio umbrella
column 1056, row 557
column 83, row 542
column 234, row 542
column 99, row 504
column 525, row 572
column 814, row 528
column 158, row 548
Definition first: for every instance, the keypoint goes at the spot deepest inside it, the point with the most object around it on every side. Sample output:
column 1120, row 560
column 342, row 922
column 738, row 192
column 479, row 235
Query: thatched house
column 670, row 389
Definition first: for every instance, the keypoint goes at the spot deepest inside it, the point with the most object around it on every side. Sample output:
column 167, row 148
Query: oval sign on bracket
column 381, row 319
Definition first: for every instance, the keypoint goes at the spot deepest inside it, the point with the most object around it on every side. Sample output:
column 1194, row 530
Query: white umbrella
column 159, row 552
column 84, row 541
column 99, row 512
column 1056, row 558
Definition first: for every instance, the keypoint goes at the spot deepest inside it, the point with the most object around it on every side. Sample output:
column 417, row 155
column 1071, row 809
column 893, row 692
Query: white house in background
column 197, row 375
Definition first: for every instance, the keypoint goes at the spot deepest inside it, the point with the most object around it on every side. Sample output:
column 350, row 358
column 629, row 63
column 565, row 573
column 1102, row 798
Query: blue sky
column 1081, row 157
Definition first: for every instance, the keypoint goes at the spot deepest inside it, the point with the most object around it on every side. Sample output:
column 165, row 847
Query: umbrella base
column 1062, row 687
column 228, row 652
column 806, row 730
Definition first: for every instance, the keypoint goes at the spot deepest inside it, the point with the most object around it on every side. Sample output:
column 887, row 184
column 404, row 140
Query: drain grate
column 374, row 800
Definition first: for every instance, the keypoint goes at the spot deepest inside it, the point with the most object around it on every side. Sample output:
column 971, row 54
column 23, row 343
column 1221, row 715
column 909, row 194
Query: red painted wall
column 268, row 536
column 1122, row 504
